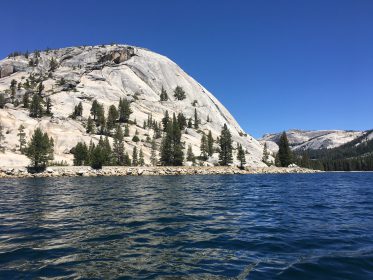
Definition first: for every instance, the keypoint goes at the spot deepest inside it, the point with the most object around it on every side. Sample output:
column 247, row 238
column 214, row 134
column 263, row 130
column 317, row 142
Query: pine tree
column 153, row 154
column 2, row 100
column 48, row 110
column 166, row 146
column 210, row 144
column 179, row 93
column 40, row 150
column 196, row 120
column 108, row 153
column 118, row 146
column 190, row 155
column 190, row 124
column 164, row 95
column 124, row 110
column 165, row 120
column 97, row 157
column 81, row 154
column 134, row 157
column 101, row 120
column 127, row 160
column 126, row 131
column 141, row 158
column 26, row 100
column 284, row 152
column 95, row 109
column 178, row 154
column 113, row 115
column 36, row 108
column 21, row 138
column 181, row 121
column 265, row 154
column 90, row 125
column 13, row 89
column 241, row 156
column 53, row 65
column 2, row 138
column 225, row 155
column 40, row 88
column 204, row 148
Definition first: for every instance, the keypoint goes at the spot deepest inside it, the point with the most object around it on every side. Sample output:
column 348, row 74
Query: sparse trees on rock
column 13, row 90
column 26, row 100
column 78, row 111
column 90, row 125
column 48, row 104
column 225, row 141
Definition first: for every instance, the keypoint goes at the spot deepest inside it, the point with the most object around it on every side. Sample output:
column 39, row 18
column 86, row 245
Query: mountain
column 107, row 73
column 311, row 139
column 332, row 150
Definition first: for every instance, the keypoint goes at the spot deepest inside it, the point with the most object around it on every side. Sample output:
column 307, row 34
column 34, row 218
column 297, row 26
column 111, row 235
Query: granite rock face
column 108, row 73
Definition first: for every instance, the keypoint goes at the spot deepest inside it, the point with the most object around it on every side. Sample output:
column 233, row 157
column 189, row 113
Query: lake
column 310, row 226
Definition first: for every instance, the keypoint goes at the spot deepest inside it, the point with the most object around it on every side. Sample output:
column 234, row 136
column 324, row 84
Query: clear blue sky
column 275, row 65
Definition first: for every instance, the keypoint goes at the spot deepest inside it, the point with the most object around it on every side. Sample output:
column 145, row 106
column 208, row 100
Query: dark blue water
column 312, row 226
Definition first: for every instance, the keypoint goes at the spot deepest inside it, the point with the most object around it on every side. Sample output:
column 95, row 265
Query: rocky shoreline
column 76, row 171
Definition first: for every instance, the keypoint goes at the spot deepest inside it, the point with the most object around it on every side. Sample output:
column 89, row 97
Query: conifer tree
column 81, row 154
column 284, row 152
column 164, row 95
column 53, row 65
column 118, row 146
column 40, row 88
column 97, row 157
column 178, row 154
column 36, row 107
column 181, row 121
column 141, row 158
column 134, row 157
column 13, row 90
column 225, row 155
column 196, row 120
column 48, row 110
column 241, row 156
column 179, row 93
column 40, row 150
column 265, row 154
column 113, row 115
column 153, row 154
column 190, row 124
column 21, row 138
column 107, row 151
column 166, row 146
column 126, row 131
column 95, row 109
column 26, row 100
column 210, row 144
column 127, row 160
column 204, row 148
column 124, row 110
column 190, row 155
column 90, row 125
column 165, row 120
column 2, row 138
column 2, row 100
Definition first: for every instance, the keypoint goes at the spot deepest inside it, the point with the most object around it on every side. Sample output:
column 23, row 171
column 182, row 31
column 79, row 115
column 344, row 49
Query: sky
column 275, row 64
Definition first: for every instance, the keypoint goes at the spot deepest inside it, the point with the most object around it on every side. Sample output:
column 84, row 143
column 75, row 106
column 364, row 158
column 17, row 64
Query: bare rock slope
column 108, row 73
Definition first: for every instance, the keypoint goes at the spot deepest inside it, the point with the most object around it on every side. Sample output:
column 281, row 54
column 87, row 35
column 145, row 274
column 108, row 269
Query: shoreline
column 86, row 171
